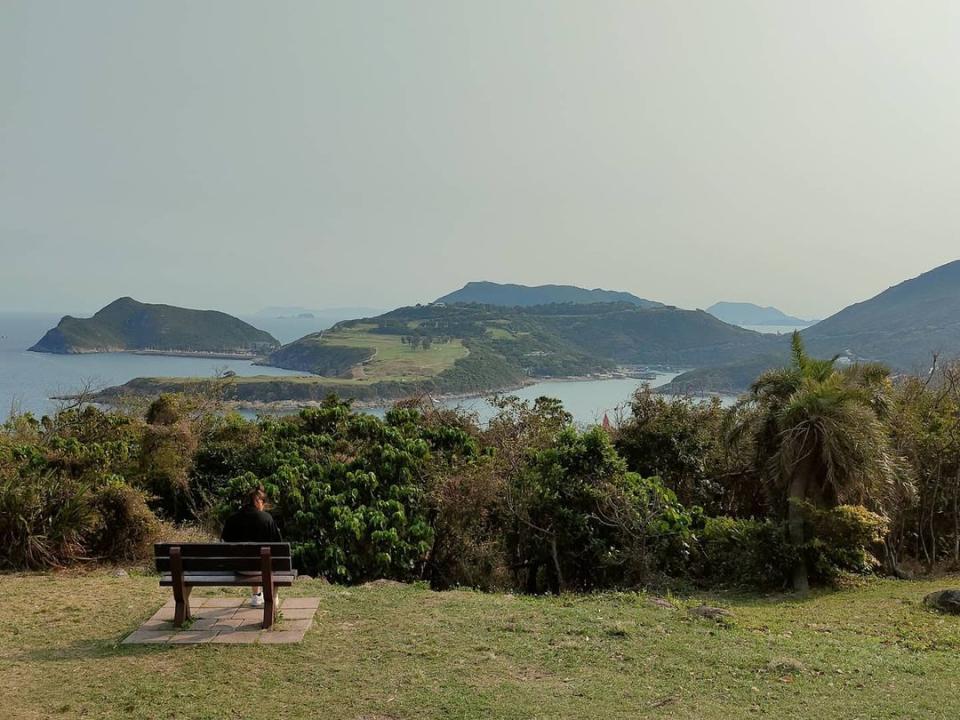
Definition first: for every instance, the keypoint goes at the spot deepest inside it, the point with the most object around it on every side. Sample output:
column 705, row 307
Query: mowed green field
column 394, row 651
column 395, row 360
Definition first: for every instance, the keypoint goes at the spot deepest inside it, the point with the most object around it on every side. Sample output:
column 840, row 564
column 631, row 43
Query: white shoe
column 256, row 600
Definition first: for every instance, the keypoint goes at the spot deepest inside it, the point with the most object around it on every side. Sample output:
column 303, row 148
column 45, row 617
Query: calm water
column 586, row 400
column 28, row 380
column 776, row 329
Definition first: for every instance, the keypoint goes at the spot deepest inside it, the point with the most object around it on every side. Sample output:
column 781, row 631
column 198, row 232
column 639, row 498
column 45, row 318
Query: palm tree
column 819, row 437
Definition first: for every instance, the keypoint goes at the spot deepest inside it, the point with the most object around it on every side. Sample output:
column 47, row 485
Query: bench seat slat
column 225, row 564
column 252, row 549
column 285, row 579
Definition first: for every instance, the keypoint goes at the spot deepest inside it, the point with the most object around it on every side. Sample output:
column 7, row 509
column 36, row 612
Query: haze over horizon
column 237, row 155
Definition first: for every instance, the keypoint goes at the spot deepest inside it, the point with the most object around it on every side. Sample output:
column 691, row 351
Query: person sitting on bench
column 252, row 524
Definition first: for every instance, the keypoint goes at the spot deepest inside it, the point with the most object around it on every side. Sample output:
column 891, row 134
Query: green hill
column 128, row 325
column 474, row 348
column 508, row 295
column 902, row 326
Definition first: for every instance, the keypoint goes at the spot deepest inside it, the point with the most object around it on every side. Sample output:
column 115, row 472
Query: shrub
column 349, row 489
column 742, row 552
column 583, row 521
column 125, row 527
column 842, row 538
column 45, row 520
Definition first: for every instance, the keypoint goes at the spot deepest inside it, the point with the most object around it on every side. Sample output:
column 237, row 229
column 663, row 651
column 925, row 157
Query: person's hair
column 255, row 494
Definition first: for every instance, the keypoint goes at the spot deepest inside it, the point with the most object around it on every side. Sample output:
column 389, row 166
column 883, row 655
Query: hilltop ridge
column 511, row 295
column 129, row 325
column 746, row 313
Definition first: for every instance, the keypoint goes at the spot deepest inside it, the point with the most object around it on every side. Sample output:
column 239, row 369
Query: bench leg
column 181, row 591
column 181, row 612
column 269, row 592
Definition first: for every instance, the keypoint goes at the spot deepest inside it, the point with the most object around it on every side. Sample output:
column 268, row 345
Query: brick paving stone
column 155, row 625
column 164, row 613
column 203, row 623
column 286, row 624
column 300, row 603
column 223, row 602
column 215, row 612
column 250, row 626
column 297, row 613
column 192, row 636
column 227, row 620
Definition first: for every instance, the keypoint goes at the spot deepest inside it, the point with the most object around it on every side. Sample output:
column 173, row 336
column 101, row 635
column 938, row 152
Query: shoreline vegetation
column 222, row 389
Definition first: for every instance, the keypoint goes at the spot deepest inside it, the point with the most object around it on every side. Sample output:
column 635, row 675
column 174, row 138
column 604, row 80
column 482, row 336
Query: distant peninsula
column 126, row 325
column 507, row 295
column 460, row 349
column 745, row 313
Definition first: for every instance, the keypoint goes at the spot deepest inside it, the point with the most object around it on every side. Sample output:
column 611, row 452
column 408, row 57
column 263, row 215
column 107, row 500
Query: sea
column 30, row 381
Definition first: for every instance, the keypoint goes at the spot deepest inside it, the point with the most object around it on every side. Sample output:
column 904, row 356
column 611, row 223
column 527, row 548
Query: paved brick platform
column 227, row 620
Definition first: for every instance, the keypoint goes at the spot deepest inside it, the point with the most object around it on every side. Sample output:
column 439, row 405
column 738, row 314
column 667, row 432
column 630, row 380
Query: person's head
column 257, row 498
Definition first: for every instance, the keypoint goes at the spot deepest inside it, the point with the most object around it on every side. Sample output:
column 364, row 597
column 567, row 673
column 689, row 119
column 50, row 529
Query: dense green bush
column 757, row 553
column 44, row 520
column 741, row 552
column 349, row 490
column 842, row 538
column 583, row 521
column 526, row 502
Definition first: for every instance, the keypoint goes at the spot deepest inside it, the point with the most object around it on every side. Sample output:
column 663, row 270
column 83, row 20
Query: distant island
column 745, row 313
column 126, row 325
column 460, row 349
column 490, row 293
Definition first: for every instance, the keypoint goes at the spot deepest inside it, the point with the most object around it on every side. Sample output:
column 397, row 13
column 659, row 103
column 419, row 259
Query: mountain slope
column 489, row 293
column 126, row 324
column 902, row 326
column 744, row 313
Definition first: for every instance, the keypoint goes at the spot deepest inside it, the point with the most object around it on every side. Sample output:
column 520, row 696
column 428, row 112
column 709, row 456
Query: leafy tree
column 584, row 518
column 681, row 441
column 819, row 438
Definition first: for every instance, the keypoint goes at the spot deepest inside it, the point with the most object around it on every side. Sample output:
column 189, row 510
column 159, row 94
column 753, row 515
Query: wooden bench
column 184, row 566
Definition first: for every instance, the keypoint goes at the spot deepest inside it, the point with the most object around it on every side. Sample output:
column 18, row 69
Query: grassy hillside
column 543, row 341
column 395, row 651
column 126, row 324
column 479, row 348
column 489, row 293
column 375, row 355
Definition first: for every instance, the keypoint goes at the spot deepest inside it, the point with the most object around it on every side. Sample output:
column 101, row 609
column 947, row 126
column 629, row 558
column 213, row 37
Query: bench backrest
column 223, row 557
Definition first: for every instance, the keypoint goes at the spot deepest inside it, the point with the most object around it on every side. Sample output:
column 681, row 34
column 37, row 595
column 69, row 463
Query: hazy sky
column 240, row 154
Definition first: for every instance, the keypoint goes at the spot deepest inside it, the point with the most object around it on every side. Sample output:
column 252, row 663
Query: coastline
column 280, row 406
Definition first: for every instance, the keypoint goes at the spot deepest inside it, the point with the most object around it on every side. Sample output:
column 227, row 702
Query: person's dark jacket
column 250, row 525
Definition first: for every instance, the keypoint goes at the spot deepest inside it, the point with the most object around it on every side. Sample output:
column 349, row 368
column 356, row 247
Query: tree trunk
column 798, row 493
column 556, row 564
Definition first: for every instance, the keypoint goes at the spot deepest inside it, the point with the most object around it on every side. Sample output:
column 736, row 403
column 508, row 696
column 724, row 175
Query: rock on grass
column 947, row 601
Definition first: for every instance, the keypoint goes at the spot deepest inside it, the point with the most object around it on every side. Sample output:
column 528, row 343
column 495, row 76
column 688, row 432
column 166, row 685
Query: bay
column 29, row 380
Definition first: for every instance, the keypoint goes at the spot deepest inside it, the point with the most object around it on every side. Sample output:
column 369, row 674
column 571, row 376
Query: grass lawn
column 395, row 360
column 392, row 651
